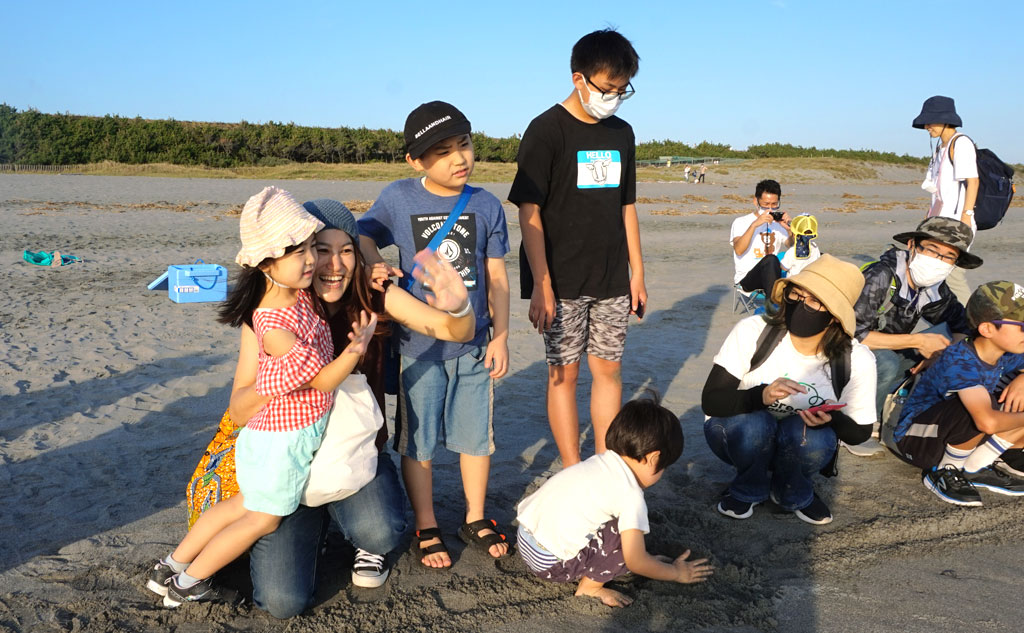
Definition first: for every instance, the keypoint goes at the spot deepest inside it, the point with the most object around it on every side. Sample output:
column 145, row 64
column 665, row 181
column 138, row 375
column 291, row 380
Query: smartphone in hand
column 639, row 312
column 828, row 406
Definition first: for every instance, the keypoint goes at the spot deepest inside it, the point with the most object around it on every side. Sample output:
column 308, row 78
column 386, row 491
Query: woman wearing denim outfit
column 283, row 564
column 763, row 419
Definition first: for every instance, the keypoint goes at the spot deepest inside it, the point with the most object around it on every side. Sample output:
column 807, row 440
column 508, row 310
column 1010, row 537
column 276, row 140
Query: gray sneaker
column 202, row 591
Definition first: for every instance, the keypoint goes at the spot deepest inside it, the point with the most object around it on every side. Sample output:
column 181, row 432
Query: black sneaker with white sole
column 997, row 481
column 734, row 508
column 950, row 485
column 202, row 591
column 369, row 569
column 816, row 513
column 1010, row 464
column 159, row 576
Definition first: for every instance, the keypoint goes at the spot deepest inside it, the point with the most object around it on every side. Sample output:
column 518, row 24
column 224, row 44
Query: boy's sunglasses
column 1006, row 322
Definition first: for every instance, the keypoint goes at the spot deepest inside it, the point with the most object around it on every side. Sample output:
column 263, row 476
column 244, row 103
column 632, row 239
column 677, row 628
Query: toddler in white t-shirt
column 587, row 523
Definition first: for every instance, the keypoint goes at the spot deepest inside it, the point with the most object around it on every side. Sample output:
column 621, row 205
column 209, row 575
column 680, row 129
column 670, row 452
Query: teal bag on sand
column 42, row 258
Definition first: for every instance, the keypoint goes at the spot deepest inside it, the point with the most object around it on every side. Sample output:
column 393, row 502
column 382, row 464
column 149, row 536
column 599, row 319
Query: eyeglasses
column 1006, row 322
column 931, row 252
column 612, row 96
column 810, row 302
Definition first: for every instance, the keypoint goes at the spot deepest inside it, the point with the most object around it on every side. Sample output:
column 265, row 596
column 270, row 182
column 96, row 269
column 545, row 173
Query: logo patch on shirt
column 598, row 168
column 458, row 247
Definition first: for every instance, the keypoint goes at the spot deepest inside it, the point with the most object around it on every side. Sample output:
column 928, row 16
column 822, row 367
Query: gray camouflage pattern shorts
column 594, row 326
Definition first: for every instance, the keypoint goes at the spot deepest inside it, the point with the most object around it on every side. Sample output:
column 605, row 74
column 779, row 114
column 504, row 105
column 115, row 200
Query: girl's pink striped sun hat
column 273, row 220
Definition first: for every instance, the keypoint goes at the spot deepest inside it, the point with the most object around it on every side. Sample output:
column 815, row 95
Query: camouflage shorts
column 594, row 326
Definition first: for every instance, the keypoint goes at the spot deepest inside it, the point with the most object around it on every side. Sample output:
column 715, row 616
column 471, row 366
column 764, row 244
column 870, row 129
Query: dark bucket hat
column 938, row 110
column 948, row 231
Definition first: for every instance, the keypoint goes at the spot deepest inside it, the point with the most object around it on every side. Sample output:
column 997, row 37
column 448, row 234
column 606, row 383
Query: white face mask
column 928, row 271
column 598, row 107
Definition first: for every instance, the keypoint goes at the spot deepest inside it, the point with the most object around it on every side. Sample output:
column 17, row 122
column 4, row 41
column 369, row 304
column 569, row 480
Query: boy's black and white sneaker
column 997, row 481
column 950, row 485
column 159, row 576
column 816, row 513
column 369, row 569
column 202, row 591
column 734, row 508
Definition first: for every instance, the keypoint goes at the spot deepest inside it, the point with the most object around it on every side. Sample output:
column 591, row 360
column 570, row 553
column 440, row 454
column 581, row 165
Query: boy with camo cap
column 955, row 425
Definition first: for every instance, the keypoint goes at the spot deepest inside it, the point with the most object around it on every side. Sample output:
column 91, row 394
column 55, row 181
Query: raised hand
column 362, row 332
column 447, row 290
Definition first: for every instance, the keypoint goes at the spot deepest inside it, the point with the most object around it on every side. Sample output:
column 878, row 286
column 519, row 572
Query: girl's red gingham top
column 281, row 376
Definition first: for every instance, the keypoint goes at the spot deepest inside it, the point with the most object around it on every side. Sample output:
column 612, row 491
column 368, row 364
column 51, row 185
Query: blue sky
column 823, row 73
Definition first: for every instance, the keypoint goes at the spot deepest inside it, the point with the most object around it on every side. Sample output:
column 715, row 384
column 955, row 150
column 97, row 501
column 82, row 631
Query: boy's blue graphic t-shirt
column 407, row 215
column 958, row 368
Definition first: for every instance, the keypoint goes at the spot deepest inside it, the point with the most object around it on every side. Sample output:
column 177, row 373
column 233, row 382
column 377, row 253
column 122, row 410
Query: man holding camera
column 758, row 238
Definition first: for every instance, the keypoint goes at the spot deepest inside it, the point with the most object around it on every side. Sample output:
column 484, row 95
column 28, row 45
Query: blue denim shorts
column 272, row 466
column 449, row 402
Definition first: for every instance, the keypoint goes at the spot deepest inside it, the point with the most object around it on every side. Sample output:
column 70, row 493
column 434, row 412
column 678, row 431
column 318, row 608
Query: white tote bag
column 347, row 458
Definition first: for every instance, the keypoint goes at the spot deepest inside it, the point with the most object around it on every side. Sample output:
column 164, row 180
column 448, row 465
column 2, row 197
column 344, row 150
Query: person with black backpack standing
column 952, row 176
column 786, row 387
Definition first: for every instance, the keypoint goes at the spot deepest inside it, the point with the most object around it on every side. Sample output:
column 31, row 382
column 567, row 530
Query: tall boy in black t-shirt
column 580, row 261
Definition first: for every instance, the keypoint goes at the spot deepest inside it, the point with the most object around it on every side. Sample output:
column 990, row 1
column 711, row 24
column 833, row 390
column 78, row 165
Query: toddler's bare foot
column 610, row 597
column 56, row 260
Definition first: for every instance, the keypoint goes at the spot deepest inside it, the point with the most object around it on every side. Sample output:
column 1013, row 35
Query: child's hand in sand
column 691, row 571
column 610, row 597
column 448, row 291
column 362, row 332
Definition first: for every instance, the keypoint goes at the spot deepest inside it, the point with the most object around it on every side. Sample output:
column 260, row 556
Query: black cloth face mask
column 804, row 322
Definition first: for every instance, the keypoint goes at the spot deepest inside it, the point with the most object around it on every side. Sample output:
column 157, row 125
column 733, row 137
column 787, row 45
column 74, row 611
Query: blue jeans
column 449, row 402
column 283, row 564
column 892, row 365
column 769, row 456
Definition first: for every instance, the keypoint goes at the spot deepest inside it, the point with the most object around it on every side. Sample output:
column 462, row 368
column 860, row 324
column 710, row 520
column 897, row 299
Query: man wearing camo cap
column 955, row 425
column 904, row 286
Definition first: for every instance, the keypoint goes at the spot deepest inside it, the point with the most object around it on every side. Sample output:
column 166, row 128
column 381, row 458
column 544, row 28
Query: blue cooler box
column 193, row 283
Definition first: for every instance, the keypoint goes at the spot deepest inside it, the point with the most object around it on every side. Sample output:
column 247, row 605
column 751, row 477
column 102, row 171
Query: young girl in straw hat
column 765, row 419
column 275, row 449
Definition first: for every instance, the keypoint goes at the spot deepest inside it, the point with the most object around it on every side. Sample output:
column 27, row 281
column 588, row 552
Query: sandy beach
column 110, row 392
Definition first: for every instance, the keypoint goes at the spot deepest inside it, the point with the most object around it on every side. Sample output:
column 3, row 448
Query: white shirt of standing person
column 947, row 179
column 768, row 239
column 810, row 371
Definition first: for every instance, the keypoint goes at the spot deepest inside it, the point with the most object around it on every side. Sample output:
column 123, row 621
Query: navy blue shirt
column 407, row 215
column 958, row 368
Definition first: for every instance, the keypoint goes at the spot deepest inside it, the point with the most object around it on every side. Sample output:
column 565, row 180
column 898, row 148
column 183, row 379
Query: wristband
column 464, row 311
column 969, row 211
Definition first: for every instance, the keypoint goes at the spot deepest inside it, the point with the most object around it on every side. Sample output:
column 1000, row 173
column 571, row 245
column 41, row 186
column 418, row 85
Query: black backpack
column 995, row 187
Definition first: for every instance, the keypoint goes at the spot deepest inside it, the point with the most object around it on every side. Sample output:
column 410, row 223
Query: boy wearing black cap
column 953, row 425
column 445, row 392
column 581, row 264
column 952, row 176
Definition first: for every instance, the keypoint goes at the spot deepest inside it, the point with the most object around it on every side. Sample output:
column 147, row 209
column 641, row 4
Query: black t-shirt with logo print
column 581, row 175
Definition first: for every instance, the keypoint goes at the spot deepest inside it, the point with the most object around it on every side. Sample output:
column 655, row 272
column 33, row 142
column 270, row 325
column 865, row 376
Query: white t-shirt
column 793, row 265
column 566, row 512
column 809, row 371
column 769, row 239
column 948, row 178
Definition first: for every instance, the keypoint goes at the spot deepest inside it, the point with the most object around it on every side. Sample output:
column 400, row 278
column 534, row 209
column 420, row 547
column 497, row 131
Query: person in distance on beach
column 955, row 426
column 902, row 287
column 581, row 265
column 587, row 523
